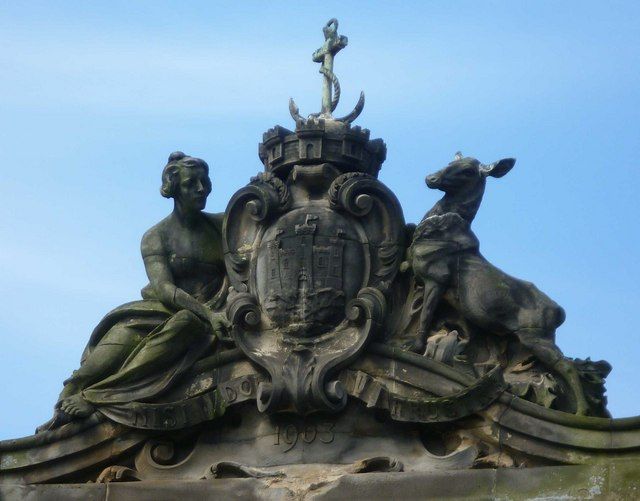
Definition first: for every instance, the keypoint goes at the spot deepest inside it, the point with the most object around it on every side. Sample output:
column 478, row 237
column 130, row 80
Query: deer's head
column 463, row 182
column 466, row 174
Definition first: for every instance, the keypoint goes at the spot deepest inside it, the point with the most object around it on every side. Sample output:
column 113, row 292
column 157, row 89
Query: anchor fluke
column 356, row 111
column 295, row 111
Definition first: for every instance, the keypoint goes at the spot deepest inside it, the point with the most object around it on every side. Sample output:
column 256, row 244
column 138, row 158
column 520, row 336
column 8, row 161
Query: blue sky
column 94, row 96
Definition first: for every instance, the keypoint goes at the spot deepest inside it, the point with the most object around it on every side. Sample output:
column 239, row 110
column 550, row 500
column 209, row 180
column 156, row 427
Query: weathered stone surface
column 52, row 492
column 617, row 480
column 309, row 344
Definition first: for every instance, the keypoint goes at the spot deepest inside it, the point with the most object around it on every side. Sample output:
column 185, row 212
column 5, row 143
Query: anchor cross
column 333, row 44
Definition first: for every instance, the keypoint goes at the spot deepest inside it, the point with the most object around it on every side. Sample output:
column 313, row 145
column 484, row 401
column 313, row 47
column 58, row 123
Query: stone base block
column 614, row 480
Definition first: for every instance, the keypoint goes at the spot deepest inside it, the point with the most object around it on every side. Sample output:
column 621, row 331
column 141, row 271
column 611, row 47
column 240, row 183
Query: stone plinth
column 615, row 480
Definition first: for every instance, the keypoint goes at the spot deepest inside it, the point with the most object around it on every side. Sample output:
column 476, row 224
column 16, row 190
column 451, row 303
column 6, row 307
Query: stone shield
column 310, row 263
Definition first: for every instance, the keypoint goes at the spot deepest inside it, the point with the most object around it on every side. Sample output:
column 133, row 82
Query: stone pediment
column 309, row 336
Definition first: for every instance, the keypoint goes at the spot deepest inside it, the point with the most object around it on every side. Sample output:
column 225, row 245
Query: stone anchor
column 333, row 44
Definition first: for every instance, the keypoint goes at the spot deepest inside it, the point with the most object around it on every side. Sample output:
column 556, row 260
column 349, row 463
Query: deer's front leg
column 435, row 276
column 432, row 265
column 431, row 298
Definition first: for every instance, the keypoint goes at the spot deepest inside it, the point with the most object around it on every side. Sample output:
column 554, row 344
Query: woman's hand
column 219, row 324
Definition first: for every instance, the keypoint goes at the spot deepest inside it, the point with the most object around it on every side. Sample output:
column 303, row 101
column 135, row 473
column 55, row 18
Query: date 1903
column 291, row 434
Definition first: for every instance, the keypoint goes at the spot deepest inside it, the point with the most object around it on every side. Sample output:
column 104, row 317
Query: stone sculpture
column 139, row 348
column 310, row 325
column 445, row 257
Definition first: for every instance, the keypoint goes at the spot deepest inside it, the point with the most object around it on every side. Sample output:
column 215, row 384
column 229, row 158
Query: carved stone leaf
column 526, row 382
column 545, row 390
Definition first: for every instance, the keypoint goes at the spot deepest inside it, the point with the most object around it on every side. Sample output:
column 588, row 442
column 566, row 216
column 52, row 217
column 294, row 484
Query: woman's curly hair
column 170, row 178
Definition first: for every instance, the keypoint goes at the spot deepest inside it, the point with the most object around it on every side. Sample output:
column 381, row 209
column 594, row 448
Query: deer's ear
column 499, row 168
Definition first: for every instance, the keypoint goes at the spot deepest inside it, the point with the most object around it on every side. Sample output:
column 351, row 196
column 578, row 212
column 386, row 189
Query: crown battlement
column 322, row 138
column 321, row 141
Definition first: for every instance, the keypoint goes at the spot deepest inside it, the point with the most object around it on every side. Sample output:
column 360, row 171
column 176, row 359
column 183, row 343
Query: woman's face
column 194, row 186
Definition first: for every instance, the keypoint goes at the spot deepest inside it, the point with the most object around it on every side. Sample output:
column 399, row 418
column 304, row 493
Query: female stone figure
column 139, row 348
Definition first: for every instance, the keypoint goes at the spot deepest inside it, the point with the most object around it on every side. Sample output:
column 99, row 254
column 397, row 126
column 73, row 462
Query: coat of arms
column 312, row 250
column 308, row 292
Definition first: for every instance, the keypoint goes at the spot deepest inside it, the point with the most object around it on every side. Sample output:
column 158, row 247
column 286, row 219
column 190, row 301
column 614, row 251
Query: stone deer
column 445, row 257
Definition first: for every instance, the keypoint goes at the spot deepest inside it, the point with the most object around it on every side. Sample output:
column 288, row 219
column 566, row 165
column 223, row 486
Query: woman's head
column 186, row 179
